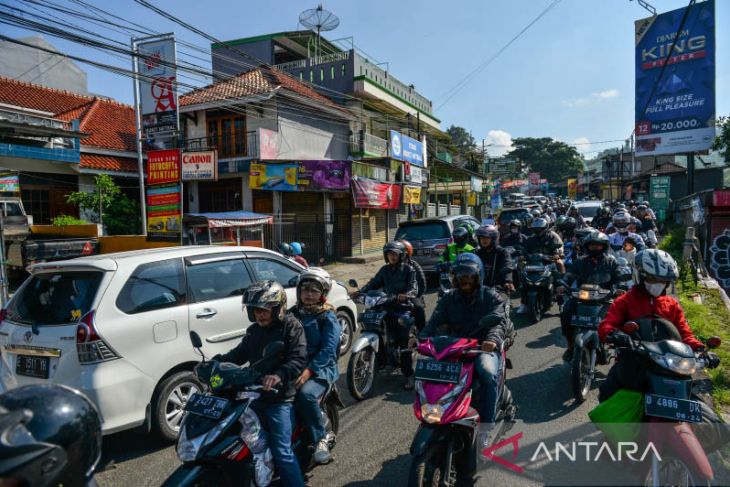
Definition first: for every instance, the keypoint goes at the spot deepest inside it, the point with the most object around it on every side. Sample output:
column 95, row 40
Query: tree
column 463, row 144
column 554, row 160
column 722, row 141
column 119, row 213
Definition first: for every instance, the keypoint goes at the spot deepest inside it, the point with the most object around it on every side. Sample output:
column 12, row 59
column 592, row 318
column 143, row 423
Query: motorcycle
column 446, row 446
column 222, row 441
column 375, row 348
column 444, row 278
column 537, row 282
column 515, row 253
column 591, row 304
column 670, row 365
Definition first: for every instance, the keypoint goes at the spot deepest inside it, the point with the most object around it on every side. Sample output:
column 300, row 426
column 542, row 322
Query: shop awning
column 227, row 219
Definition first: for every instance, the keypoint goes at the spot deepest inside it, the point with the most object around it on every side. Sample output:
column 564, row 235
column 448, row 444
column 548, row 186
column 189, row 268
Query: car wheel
column 348, row 331
column 174, row 392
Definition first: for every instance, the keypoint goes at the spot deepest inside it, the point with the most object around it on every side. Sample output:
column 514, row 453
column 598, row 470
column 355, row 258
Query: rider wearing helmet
column 621, row 221
column 543, row 241
column 323, row 332
column 459, row 314
column 297, row 254
column 460, row 245
column 49, row 435
column 419, row 305
column 496, row 260
column 397, row 278
column 573, row 212
column 598, row 267
column 602, row 219
column 515, row 238
column 566, row 228
column 265, row 303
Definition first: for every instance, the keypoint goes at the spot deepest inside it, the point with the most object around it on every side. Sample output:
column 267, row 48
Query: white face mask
column 655, row 289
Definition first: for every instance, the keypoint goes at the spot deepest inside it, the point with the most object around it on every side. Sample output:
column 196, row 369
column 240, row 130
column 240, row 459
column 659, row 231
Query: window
column 13, row 209
column 217, row 280
column 228, row 134
column 332, row 72
column 344, row 70
column 152, row 286
column 275, row 271
column 423, row 231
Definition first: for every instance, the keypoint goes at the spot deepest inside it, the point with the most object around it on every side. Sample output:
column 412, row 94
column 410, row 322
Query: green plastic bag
column 619, row 417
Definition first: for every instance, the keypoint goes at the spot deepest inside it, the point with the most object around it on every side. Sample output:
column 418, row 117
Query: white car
column 588, row 209
column 116, row 326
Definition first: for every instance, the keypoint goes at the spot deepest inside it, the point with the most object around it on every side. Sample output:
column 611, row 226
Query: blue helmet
column 296, row 247
column 467, row 264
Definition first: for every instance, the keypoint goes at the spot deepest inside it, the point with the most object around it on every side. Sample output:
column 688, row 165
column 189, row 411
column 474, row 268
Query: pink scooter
column 447, row 443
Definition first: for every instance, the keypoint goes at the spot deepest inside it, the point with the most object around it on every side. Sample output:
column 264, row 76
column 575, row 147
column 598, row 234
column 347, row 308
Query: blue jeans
column 307, row 404
column 278, row 417
column 487, row 368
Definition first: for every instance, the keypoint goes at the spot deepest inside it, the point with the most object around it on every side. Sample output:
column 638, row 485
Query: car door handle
column 206, row 313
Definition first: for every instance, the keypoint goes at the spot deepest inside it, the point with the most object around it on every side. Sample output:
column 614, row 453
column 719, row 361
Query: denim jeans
column 278, row 417
column 487, row 367
column 307, row 404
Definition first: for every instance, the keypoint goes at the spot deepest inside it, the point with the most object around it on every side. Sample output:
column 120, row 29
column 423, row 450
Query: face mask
column 655, row 289
column 514, row 230
column 595, row 252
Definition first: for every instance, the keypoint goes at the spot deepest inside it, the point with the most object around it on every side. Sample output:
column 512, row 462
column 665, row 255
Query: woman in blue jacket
column 322, row 330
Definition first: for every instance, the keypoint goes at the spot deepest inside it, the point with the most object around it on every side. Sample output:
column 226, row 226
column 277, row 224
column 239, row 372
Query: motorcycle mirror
column 714, row 342
column 195, row 340
column 630, row 327
column 352, row 283
column 273, row 349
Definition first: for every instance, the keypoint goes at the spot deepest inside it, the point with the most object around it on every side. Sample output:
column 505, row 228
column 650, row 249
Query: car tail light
column 439, row 249
column 90, row 346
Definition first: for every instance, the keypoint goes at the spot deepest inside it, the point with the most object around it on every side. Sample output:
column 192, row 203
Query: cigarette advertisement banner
column 163, row 166
column 324, row 175
column 411, row 195
column 200, row 166
column 158, row 91
column 372, row 194
column 273, row 177
column 572, row 188
column 164, row 213
column 675, row 104
column 9, row 183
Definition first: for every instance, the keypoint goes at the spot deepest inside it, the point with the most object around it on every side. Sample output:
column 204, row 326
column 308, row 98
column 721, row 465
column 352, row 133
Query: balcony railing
column 368, row 145
column 228, row 144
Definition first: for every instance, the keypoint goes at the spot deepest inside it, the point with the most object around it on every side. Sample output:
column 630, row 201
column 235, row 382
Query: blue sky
column 570, row 76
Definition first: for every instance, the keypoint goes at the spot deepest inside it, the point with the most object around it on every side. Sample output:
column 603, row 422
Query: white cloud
column 592, row 98
column 498, row 143
column 582, row 144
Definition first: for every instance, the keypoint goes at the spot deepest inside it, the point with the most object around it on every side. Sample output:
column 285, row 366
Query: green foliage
column 63, row 220
column 554, row 160
column 722, row 141
column 673, row 242
column 120, row 213
column 463, row 144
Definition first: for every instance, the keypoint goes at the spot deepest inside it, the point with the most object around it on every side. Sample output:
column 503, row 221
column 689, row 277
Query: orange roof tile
column 108, row 163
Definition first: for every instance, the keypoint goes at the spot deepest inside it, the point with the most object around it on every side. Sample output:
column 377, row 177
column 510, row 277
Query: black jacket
column 400, row 279
column 421, row 282
column 459, row 316
column 497, row 266
column 513, row 240
column 549, row 244
column 586, row 270
column 251, row 349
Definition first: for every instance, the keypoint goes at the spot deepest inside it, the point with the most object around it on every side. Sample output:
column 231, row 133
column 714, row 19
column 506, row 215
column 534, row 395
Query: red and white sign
column 200, row 166
column 372, row 194
column 163, row 166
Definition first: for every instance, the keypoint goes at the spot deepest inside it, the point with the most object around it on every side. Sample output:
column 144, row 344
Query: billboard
column 411, row 195
column 9, row 183
column 659, row 195
column 200, row 166
column 157, row 91
column 372, row 194
column 163, row 166
column 324, row 175
column 274, row 177
column 164, row 213
column 406, row 149
column 572, row 188
column 675, row 81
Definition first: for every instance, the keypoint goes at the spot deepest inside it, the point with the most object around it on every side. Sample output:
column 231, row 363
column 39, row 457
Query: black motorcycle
column 515, row 253
column 222, row 441
column 537, row 283
column 445, row 283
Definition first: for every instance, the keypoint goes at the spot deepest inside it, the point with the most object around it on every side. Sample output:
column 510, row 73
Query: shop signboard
column 164, row 215
column 324, row 175
column 157, row 91
column 273, row 177
column 200, row 166
column 9, row 183
column 411, row 195
column 476, row 184
column 373, row 194
column 163, row 166
column 406, row 149
column 675, row 80
column 659, row 195
column 572, row 188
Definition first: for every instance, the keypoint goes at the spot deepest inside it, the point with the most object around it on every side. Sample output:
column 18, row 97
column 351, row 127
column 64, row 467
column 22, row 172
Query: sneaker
column 409, row 384
column 521, row 310
column 322, row 453
column 568, row 355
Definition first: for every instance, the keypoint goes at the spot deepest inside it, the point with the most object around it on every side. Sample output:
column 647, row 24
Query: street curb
column 362, row 259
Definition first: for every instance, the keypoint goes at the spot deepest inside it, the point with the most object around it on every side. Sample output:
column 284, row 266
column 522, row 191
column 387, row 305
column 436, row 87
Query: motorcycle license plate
column 582, row 320
column 208, row 406
column 435, row 371
column 671, row 408
column 371, row 317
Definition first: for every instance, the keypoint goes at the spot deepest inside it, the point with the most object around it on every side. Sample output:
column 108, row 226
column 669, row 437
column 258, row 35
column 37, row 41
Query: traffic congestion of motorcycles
column 269, row 409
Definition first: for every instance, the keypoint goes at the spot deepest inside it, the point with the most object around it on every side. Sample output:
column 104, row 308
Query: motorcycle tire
column 581, row 375
column 361, row 370
column 534, row 311
column 673, row 471
column 427, row 469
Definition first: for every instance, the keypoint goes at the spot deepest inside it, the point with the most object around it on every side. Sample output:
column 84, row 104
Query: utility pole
column 690, row 173
column 3, row 268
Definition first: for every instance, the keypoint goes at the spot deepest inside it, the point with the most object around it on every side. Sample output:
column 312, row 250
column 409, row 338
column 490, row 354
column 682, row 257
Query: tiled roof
column 108, row 163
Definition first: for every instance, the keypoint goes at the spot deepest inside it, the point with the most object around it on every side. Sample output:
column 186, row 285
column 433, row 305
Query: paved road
column 375, row 435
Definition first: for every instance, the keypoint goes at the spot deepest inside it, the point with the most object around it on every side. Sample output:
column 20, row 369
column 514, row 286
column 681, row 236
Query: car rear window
column 507, row 216
column 588, row 211
column 423, row 231
column 55, row 298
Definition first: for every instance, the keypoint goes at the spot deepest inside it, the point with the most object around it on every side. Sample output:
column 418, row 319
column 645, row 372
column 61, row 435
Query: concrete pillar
column 329, row 220
column 246, row 195
column 193, row 197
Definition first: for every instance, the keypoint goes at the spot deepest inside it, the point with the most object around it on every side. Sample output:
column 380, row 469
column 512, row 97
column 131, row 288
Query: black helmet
column 515, row 223
column 467, row 264
column 286, row 249
column 596, row 237
column 488, row 231
column 460, row 236
column 265, row 295
column 397, row 247
column 569, row 224
column 49, row 435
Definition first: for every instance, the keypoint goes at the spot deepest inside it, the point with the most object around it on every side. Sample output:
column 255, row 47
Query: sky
column 570, row 76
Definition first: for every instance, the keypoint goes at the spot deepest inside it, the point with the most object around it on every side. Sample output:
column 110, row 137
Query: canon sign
column 200, row 166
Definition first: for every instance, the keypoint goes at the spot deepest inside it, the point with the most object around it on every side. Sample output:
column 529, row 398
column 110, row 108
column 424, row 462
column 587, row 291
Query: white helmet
column 655, row 263
column 318, row 276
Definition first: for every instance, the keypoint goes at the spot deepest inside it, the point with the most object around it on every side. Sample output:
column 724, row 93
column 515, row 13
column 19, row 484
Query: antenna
column 319, row 20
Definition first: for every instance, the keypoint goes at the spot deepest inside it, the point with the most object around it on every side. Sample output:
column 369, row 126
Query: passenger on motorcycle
column 496, row 260
column 579, row 221
column 459, row 313
column 419, row 305
column 397, row 278
column 515, row 238
column 322, row 330
column 293, row 251
column 546, row 242
column 602, row 219
column 566, row 229
column 460, row 245
column 265, row 303
column 597, row 267
column 628, row 250
column 620, row 223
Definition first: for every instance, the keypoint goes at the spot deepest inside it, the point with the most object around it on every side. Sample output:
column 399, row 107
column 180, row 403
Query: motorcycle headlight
column 432, row 413
column 189, row 448
column 675, row 363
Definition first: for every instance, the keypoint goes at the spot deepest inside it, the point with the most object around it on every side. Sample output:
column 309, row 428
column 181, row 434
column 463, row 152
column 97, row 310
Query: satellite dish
column 319, row 20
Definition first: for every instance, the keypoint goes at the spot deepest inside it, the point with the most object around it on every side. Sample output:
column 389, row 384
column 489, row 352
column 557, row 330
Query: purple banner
column 324, row 176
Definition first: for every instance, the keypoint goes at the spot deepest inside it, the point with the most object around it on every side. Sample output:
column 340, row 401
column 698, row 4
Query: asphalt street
column 375, row 435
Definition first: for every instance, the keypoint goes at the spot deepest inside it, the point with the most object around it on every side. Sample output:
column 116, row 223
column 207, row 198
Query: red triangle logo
column 88, row 249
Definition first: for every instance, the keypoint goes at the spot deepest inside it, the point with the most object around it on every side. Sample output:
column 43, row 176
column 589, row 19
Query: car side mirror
column 195, row 340
column 274, row 349
column 352, row 283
